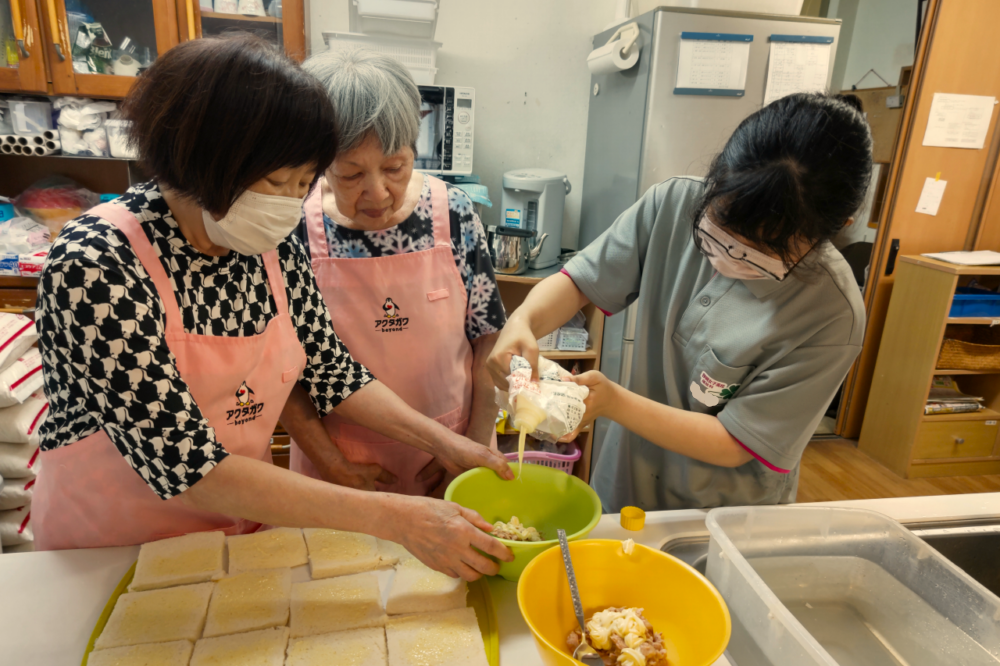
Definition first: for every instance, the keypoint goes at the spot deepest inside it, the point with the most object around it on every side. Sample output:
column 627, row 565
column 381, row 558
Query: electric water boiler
column 534, row 199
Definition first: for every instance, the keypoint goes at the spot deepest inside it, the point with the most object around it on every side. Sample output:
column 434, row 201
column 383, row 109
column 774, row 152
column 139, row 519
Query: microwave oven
column 447, row 115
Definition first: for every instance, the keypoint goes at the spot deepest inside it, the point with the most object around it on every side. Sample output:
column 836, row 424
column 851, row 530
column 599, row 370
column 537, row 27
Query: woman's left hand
column 458, row 454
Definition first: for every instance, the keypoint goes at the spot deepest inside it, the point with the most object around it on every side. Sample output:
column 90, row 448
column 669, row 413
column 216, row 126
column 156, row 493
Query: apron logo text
column 247, row 409
column 392, row 321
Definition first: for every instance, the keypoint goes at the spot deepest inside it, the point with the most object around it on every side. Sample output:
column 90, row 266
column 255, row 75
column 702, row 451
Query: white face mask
column 737, row 260
column 256, row 223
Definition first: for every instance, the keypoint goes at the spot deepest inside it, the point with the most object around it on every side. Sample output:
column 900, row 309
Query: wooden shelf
column 953, row 269
column 983, row 321
column 569, row 355
column 984, row 415
column 939, row 372
column 240, row 17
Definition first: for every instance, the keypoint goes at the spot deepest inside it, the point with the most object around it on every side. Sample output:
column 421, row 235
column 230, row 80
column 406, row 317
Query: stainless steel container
column 510, row 249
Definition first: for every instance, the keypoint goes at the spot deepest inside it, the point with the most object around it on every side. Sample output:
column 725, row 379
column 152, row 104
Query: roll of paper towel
column 608, row 59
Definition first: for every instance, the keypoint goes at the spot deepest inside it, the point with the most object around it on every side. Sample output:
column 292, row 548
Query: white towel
column 16, row 493
column 15, row 527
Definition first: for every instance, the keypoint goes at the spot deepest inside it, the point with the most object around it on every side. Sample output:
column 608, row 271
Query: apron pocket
column 713, row 383
column 289, row 375
column 437, row 295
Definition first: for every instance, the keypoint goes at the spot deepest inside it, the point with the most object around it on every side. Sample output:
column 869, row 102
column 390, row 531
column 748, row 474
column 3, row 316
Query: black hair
column 794, row 171
column 213, row 116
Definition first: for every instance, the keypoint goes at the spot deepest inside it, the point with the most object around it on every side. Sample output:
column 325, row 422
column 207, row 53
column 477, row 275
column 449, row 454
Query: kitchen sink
column 973, row 546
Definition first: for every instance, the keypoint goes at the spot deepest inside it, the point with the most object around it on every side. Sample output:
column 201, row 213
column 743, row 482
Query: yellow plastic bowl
column 679, row 602
column 544, row 498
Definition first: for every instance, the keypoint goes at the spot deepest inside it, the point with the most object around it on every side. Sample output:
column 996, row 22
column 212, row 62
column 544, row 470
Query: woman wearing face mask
column 176, row 321
column 401, row 260
column 749, row 319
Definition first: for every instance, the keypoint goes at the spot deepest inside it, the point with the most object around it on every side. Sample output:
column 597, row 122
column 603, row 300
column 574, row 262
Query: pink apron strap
column 276, row 280
column 440, row 211
column 316, row 229
column 129, row 225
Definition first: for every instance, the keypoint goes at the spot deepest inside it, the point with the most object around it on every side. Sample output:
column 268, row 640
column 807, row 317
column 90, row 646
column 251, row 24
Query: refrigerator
column 643, row 128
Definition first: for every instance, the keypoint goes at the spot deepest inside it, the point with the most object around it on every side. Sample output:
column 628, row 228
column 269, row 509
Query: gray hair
column 371, row 92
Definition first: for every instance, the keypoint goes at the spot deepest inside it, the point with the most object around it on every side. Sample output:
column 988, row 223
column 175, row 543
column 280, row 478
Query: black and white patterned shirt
column 99, row 315
column 484, row 313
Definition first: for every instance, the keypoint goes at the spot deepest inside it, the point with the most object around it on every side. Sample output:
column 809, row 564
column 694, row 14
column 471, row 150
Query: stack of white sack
column 81, row 126
column 23, row 407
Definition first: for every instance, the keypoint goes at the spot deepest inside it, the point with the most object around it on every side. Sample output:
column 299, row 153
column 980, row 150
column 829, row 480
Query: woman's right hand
column 445, row 536
column 516, row 339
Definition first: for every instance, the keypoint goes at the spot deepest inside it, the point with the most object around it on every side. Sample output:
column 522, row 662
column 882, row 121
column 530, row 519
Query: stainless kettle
column 510, row 249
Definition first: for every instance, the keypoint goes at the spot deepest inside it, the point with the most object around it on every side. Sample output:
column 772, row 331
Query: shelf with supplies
column 239, row 17
column 919, row 335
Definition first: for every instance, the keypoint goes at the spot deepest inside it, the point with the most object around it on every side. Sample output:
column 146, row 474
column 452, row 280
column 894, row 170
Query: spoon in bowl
column 583, row 653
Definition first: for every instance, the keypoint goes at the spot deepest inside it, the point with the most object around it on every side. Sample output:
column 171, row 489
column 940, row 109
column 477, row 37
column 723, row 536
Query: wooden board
column 884, row 122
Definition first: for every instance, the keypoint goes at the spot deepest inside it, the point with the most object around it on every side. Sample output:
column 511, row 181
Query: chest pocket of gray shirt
column 713, row 383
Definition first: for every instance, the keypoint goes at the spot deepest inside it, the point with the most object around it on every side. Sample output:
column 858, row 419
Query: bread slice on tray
column 255, row 648
column 417, row 588
column 183, row 560
column 249, row 601
column 174, row 653
column 359, row 647
column 337, row 553
column 448, row 637
column 269, row 549
column 336, row 604
column 157, row 616
column 390, row 553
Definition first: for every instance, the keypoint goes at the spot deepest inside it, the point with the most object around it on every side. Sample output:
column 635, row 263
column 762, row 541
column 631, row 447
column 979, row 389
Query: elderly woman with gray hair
column 401, row 260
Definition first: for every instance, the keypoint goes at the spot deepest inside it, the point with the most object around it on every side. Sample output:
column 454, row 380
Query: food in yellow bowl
column 622, row 636
column 677, row 602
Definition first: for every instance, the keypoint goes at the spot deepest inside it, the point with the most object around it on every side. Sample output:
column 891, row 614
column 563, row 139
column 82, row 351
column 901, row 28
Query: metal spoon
column 583, row 653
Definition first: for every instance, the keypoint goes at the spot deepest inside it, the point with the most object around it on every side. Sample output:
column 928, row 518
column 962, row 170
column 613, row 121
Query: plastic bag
column 554, row 394
column 54, row 201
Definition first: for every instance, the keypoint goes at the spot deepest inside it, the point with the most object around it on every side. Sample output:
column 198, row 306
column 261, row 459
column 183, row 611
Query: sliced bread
column 157, row 616
column 359, row 647
column 336, row 604
column 336, row 553
column 391, row 553
column 255, row 648
column 249, row 601
column 192, row 558
column 174, row 653
column 449, row 637
column 418, row 589
column 269, row 549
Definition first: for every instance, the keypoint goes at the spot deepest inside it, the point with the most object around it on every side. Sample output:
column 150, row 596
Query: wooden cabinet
column 22, row 49
column 956, row 54
column 43, row 34
column 896, row 432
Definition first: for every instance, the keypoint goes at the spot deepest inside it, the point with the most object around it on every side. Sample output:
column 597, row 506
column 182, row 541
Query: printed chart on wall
column 797, row 63
column 959, row 121
column 713, row 63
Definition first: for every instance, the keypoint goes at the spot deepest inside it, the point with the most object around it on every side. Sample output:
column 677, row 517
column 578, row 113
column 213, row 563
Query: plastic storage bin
column 30, row 118
column 419, row 56
column 562, row 462
column 839, row 587
column 118, row 139
column 970, row 302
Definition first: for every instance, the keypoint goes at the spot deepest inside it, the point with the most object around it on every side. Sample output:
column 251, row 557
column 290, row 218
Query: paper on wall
column 795, row 67
column 713, row 65
column 930, row 197
column 959, row 121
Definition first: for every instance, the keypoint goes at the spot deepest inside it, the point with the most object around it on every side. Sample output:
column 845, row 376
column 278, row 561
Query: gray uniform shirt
column 766, row 357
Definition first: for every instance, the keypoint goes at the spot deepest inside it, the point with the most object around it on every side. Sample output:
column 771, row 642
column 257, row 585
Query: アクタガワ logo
column 247, row 409
column 392, row 320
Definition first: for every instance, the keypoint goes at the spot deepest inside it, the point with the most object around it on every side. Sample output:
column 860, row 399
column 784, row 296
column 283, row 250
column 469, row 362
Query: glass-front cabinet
column 281, row 22
column 22, row 50
column 96, row 48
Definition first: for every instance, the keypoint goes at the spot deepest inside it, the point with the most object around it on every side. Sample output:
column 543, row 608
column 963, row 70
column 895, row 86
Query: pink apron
column 88, row 496
column 403, row 317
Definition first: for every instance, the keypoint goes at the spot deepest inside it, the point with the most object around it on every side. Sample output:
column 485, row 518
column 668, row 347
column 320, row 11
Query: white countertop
column 50, row 602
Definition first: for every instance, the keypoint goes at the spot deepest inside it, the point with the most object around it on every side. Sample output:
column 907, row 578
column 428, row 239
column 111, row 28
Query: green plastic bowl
column 544, row 498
